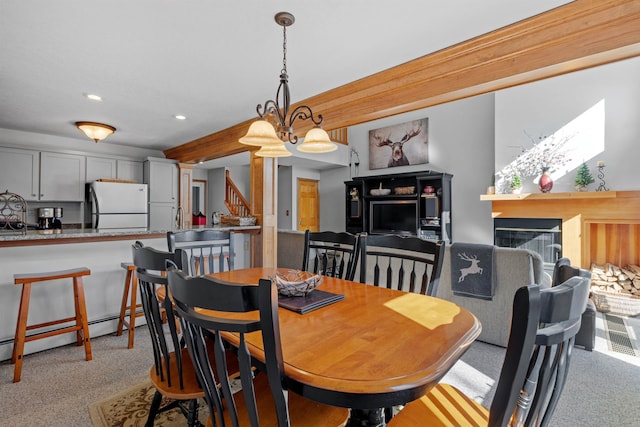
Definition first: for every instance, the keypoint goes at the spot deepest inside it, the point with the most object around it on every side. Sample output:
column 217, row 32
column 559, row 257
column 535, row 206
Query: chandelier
column 275, row 124
column 95, row 131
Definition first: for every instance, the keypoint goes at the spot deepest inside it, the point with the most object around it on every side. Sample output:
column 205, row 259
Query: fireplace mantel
column 597, row 226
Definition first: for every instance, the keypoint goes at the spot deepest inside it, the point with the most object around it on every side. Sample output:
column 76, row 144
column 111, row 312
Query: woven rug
column 130, row 408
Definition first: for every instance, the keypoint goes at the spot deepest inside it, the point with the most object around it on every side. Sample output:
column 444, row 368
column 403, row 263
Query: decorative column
column 264, row 206
column 185, row 174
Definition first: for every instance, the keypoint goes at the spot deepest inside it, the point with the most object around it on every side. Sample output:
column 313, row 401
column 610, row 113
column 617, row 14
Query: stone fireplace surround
column 597, row 226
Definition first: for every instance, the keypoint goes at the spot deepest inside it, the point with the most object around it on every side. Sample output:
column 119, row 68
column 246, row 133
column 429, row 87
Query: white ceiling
column 212, row 61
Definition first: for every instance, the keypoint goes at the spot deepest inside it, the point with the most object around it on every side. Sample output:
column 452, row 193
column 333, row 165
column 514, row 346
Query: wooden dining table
column 376, row 348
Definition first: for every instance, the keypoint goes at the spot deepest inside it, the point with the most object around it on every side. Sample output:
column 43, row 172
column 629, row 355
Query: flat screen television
column 393, row 217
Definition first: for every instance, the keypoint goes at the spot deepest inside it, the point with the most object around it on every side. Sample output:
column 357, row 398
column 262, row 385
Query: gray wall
column 461, row 136
column 598, row 107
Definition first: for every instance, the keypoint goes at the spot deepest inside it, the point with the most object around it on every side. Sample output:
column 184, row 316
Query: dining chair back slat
column 209, row 251
column 401, row 262
column 264, row 399
column 333, row 254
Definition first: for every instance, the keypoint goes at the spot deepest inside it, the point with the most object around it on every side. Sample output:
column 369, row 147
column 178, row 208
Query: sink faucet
column 180, row 218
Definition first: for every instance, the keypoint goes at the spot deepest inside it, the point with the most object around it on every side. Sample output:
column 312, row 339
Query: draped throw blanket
column 472, row 270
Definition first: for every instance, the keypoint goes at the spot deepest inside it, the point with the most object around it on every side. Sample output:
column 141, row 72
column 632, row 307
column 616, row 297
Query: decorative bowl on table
column 295, row 283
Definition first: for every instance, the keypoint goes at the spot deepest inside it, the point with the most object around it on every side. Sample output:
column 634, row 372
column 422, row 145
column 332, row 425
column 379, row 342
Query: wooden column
column 184, row 192
column 264, row 206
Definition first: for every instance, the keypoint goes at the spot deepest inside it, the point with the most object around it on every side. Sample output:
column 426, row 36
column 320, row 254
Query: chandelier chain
column 284, row 49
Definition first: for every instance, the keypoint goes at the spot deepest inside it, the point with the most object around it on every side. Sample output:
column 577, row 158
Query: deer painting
column 395, row 139
column 472, row 269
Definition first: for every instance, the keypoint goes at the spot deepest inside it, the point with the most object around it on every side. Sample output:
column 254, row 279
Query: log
column 634, row 268
column 629, row 273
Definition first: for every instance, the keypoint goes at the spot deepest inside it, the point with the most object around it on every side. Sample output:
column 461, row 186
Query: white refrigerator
column 119, row 206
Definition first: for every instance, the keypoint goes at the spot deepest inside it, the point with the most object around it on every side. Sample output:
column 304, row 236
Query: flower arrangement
column 546, row 153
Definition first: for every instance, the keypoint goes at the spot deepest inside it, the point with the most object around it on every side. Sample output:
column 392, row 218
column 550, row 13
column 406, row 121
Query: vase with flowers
column 547, row 155
column 545, row 183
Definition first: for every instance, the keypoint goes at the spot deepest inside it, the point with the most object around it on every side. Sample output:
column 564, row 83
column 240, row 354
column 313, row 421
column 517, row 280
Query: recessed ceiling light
column 180, row 117
column 93, row 96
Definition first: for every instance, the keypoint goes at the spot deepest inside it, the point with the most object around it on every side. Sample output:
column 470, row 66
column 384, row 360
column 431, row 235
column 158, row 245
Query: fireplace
column 543, row 236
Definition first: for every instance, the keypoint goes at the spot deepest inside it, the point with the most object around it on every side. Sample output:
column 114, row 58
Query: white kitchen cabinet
column 100, row 167
column 62, row 176
column 20, row 172
column 103, row 167
column 162, row 216
column 162, row 177
column 129, row 169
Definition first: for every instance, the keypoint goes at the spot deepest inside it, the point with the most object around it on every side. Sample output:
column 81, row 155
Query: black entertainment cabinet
column 416, row 203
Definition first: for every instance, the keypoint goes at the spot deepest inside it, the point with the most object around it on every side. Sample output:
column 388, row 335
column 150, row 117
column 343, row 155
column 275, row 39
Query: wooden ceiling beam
column 578, row 35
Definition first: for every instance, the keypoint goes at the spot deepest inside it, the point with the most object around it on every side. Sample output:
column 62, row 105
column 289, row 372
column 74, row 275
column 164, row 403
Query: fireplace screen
column 543, row 236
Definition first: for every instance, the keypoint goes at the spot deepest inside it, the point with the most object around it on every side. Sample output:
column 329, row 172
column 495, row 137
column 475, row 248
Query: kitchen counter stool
column 129, row 287
column 81, row 327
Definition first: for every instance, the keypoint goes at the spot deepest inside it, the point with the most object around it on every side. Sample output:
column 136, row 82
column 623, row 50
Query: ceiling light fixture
column 93, row 97
column 95, row 131
column 180, row 117
column 276, row 124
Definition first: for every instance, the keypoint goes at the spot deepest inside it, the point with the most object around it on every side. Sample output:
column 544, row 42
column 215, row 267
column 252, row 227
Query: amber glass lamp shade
column 95, row 131
column 317, row 141
column 260, row 133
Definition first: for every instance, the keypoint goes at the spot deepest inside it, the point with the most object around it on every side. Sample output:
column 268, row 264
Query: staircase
column 234, row 200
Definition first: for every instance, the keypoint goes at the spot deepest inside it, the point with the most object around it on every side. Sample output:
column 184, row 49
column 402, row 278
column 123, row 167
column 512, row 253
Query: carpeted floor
column 58, row 386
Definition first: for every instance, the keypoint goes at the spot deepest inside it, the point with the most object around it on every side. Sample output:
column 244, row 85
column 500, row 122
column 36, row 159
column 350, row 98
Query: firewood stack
column 614, row 279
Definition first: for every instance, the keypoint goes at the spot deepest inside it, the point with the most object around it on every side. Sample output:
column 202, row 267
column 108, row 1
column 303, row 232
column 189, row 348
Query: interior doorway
column 308, row 205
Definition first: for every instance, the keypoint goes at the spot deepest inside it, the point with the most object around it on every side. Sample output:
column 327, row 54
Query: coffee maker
column 56, row 224
column 49, row 218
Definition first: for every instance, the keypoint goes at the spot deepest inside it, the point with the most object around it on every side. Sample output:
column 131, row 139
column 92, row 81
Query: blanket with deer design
column 472, row 270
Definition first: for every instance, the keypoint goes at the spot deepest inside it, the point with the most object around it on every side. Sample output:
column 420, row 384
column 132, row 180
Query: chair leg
column 132, row 310
column 125, row 300
column 192, row 417
column 81, row 317
column 153, row 409
column 21, row 331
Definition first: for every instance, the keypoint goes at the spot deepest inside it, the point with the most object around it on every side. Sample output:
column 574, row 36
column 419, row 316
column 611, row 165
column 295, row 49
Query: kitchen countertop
column 48, row 237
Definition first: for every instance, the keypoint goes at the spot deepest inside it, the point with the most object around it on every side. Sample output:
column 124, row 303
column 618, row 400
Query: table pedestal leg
column 366, row 418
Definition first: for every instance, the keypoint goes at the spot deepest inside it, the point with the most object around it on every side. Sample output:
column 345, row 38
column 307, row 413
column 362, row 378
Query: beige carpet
column 130, row 408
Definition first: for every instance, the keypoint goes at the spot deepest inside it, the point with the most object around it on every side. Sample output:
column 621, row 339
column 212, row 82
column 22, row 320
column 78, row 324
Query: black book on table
column 312, row 301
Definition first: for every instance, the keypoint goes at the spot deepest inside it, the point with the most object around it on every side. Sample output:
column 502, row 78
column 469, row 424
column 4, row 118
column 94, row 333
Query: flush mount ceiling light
column 95, row 131
column 276, row 124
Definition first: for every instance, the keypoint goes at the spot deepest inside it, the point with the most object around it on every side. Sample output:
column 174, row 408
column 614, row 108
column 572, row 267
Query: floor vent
column 617, row 335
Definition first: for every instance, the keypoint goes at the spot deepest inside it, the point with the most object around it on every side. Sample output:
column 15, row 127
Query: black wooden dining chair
column 264, row 399
column 334, row 254
column 172, row 373
column 586, row 336
column 208, row 250
column 401, row 262
column 543, row 327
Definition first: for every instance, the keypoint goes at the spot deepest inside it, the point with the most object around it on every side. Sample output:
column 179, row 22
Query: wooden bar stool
column 129, row 287
column 81, row 327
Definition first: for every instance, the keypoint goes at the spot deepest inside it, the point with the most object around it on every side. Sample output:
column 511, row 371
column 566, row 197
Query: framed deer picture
column 399, row 145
